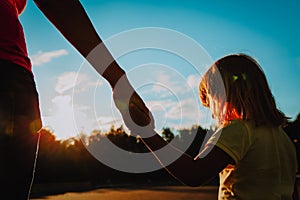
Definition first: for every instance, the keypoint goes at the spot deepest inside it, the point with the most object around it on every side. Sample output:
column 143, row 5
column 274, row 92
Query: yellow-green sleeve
column 234, row 139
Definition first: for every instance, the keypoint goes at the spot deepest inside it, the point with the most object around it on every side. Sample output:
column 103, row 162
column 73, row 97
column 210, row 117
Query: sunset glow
column 272, row 40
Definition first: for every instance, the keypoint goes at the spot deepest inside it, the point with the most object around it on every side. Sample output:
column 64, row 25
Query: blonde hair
column 238, row 83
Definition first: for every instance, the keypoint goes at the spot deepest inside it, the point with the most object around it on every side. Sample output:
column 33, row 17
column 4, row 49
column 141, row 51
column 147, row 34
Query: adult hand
column 136, row 116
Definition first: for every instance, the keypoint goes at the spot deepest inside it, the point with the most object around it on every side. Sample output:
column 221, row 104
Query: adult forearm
column 71, row 19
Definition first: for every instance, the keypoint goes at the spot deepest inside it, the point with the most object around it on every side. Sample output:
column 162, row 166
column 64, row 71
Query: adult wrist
column 113, row 74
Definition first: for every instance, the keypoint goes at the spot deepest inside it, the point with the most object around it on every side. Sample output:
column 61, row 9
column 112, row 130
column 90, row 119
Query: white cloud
column 69, row 80
column 176, row 100
column 193, row 81
column 160, row 105
column 62, row 101
column 66, row 119
column 163, row 81
column 179, row 114
column 188, row 112
column 104, row 123
column 169, row 84
column 172, row 84
column 62, row 119
column 182, row 113
column 186, row 109
column 45, row 57
column 104, row 120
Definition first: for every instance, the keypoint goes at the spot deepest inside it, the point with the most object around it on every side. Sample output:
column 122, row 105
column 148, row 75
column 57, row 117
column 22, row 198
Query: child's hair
column 238, row 83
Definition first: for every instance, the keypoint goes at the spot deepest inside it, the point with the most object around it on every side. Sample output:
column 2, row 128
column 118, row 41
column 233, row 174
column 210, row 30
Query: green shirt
column 265, row 162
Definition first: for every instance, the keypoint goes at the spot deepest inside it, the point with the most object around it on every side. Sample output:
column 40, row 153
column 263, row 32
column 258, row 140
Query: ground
column 146, row 193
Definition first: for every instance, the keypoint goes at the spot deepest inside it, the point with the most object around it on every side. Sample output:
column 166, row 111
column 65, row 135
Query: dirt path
column 153, row 193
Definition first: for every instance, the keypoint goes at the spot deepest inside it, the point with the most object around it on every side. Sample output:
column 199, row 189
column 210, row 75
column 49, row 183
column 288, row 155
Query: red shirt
column 12, row 40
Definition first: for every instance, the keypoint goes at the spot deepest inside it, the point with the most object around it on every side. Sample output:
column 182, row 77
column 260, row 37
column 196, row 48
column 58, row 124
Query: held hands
column 136, row 115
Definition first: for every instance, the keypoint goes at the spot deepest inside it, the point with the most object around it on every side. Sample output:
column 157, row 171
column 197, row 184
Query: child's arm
column 186, row 169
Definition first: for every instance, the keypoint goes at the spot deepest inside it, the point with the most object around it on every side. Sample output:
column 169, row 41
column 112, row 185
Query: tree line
column 70, row 161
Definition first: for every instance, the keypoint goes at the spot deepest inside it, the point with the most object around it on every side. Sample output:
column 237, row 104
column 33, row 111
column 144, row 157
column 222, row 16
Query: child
column 252, row 154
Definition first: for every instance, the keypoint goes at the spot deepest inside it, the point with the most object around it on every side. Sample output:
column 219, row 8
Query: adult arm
column 71, row 19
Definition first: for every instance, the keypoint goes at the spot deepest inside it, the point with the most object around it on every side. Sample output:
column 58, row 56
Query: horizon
column 73, row 98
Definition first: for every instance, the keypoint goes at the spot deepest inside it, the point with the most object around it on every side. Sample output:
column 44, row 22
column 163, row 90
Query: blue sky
column 269, row 31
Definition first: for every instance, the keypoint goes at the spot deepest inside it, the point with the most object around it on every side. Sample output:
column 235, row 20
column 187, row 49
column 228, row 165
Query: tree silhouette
column 70, row 161
column 167, row 134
